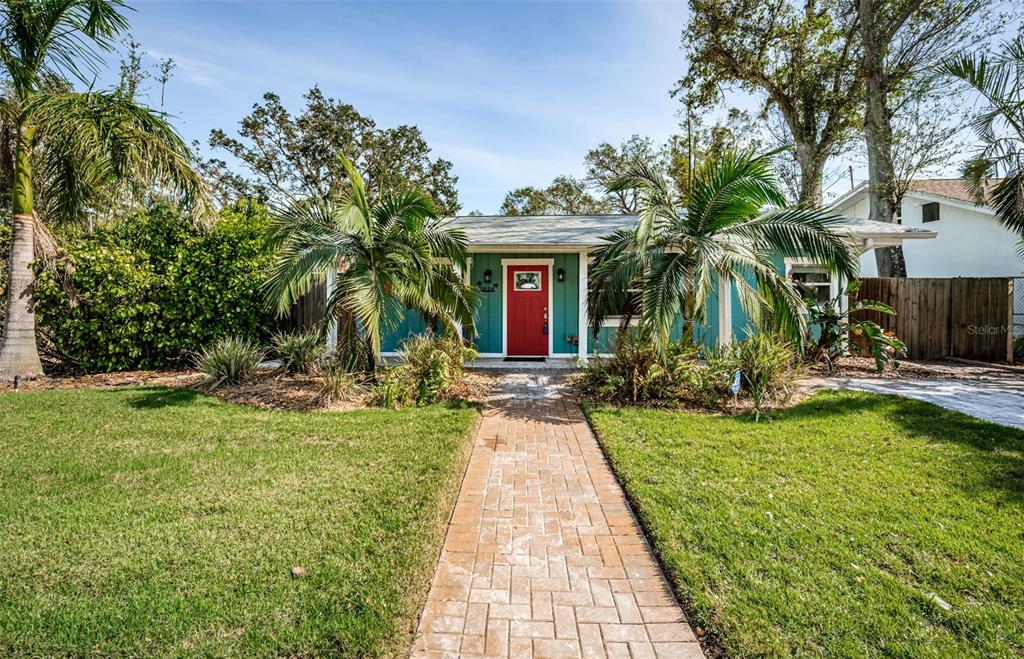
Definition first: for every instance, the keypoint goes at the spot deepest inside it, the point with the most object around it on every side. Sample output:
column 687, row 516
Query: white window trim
column 505, row 263
column 804, row 265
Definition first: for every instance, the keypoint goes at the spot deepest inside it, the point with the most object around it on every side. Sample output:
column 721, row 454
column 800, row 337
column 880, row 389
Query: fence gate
column 971, row 318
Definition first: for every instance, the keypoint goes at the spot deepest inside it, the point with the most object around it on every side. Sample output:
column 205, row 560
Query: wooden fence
column 970, row 318
column 307, row 312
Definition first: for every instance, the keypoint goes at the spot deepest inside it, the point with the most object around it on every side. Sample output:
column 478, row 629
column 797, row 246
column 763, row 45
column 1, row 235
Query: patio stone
column 543, row 555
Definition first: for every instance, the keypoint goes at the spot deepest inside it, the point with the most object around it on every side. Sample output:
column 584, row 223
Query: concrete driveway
column 996, row 398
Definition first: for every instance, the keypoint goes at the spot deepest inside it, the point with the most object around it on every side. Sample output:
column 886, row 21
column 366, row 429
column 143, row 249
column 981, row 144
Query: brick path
column 543, row 557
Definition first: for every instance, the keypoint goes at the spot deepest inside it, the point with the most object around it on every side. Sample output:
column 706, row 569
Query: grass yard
column 852, row 524
column 163, row 522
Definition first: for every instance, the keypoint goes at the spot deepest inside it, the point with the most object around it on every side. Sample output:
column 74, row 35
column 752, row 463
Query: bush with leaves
column 230, row 360
column 429, row 366
column 636, row 373
column 150, row 290
column 840, row 335
column 770, row 369
column 1018, row 348
column 299, row 352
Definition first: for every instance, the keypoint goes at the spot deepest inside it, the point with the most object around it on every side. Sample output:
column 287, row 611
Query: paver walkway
column 543, row 556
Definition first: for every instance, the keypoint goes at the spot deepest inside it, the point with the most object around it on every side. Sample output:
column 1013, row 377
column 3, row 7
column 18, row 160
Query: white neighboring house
column 970, row 242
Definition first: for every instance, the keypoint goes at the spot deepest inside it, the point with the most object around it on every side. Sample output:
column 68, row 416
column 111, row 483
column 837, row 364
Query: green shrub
column 770, row 369
column 229, row 361
column 395, row 388
column 152, row 289
column 1018, row 348
column 429, row 366
column 635, row 373
column 300, row 352
column 711, row 382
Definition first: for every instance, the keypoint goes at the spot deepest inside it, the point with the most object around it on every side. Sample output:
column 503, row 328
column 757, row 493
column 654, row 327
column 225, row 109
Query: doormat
column 540, row 360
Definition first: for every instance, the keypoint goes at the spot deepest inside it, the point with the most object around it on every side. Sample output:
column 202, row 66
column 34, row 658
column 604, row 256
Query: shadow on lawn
column 150, row 398
column 997, row 451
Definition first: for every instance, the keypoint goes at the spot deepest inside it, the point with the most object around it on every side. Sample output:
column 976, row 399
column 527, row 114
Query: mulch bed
column 863, row 367
column 270, row 389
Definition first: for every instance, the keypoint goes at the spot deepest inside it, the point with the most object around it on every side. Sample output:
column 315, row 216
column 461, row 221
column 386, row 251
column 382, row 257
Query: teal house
column 531, row 276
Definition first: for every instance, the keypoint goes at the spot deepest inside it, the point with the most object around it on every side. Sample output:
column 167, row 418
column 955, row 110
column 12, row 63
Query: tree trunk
column 878, row 138
column 812, row 171
column 18, row 352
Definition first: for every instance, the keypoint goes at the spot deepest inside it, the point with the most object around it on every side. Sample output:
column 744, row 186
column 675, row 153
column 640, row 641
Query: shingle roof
column 541, row 230
column 954, row 188
column 577, row 231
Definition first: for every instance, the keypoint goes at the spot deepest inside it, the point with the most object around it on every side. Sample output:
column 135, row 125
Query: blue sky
column 513, row 93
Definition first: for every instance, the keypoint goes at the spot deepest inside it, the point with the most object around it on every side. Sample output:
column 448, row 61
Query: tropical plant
column 635, row 372
column 89, row 148
column 230, row 360
column 837, row 330
column 735, row 226
column 299, row 352
column 995, row 174
column 429, row 366
column 770, row 369
column 391, row 256
column 337, row 382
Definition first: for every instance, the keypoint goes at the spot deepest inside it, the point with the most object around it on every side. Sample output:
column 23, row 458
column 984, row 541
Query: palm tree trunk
column 18, row 352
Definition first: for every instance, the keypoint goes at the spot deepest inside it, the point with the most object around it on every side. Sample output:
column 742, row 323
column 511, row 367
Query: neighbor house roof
column 954, row 188
column 575, row 232
column 929, row 189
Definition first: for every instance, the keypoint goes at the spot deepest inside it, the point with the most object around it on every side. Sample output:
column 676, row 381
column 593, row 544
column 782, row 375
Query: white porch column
column 461, row 275
column 332, row 329
column 724, row 310
column 584, row 315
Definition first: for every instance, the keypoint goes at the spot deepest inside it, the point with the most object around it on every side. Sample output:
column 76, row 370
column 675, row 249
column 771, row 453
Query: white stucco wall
column 970, row 243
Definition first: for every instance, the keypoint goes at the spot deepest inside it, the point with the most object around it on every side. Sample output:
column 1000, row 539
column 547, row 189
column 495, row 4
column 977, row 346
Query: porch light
column 487, row 276
column 561, row 274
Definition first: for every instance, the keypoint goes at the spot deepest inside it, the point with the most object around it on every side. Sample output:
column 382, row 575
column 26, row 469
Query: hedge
column 149, row 291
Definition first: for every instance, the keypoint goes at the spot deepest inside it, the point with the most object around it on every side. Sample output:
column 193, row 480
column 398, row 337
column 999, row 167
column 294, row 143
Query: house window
column 930, row 212
column 528, row 281
column 899, row 214
column 814, row 283
column 630, row 309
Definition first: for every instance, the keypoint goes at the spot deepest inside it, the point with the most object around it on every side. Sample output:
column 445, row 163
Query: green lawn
column 163, row 522
column 850, row 525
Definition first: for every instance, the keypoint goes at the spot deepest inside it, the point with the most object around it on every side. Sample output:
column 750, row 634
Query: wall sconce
column 487, row 276
column 561, row 274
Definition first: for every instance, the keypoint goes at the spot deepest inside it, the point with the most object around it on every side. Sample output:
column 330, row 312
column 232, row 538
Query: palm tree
column 736, row 226
column 84, row 148
column 394, row 255
column 999, row 80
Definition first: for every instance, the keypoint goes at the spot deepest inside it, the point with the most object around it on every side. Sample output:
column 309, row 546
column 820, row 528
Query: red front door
column 528, row 310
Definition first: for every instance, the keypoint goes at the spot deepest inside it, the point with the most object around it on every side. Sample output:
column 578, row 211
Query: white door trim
column 505, row 263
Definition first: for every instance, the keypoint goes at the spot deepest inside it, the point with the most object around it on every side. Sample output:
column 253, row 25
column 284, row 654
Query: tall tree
column 565, row 196
column 901, row 40
column 291, row 157
column 669, row 262
column 606, row 162
column 87, row 147
column 396, row 253
column 995, row 174
column 802, row 55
